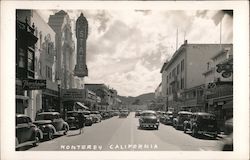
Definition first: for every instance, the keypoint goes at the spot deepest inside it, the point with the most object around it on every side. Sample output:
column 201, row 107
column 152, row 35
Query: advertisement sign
column 73, row 95
column 33, row 84
column 81, row 69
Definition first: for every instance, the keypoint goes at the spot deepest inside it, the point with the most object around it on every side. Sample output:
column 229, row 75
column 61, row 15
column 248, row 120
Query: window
column 30, row 61
column 50, row 47
column 167, row 79
column 182, row 83
column 170, row 75
column 178, row 69
column 48, row 73
column 21, row 62
column 182, row 65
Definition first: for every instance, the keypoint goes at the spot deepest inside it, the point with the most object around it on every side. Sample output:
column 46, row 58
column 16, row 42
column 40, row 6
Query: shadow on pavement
column 204, row 137
column 146, row 129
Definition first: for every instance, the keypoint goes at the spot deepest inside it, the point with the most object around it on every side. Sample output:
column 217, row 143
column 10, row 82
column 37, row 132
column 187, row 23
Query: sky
column 126, row 49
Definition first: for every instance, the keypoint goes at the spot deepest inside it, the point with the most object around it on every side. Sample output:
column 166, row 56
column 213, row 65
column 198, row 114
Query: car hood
column 41, row 122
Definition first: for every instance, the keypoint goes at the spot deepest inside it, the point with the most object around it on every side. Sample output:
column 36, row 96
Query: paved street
column 123, row 134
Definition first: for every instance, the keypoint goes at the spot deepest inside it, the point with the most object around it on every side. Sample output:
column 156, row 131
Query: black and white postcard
column 124, row 80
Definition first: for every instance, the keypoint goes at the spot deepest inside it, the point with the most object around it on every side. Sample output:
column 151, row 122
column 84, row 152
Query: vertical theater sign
column 81, row 69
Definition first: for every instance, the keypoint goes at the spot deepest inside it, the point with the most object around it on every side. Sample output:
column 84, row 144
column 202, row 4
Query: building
column 183, row 76
column 103, row 92
column 40, row 61
column 65, row 47
column 159, row 102
column 219, row 85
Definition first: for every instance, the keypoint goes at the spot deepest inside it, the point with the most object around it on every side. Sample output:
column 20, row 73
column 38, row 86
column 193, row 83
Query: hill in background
column 139, row 100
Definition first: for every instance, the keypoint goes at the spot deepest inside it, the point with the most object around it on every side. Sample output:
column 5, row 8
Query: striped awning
column 81, row 105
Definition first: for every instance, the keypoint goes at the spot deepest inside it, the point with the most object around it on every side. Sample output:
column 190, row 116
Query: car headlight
column 157, row 120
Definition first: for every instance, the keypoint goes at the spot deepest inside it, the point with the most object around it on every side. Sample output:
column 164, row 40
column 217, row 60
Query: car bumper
column 149, row 125
column 208, row 132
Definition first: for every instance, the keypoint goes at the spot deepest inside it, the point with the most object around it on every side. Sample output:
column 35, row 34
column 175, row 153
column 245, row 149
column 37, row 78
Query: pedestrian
column 81, row 122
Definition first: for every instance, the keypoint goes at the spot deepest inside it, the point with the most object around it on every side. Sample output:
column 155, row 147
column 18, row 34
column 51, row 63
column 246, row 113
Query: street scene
column 131, row 80
column 124, row 134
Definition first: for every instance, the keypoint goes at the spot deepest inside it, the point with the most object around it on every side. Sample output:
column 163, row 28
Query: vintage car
column 181, row 117
column 169, row 118
column 148, row 119
column 123, row 114
column 137, row 113
column 27, row 133
column 201, row 123
column 227, row 141
column 88, row 118
column 51, row 124
column 97, row 116
column 72, row 119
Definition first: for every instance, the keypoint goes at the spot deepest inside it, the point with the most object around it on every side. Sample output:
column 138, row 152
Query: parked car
column 88, row 118
column 27, row 133
column 149, row 119
column 72, row 119
column 51, row 124
column 123, row 114
column 137, row 113
column 227, row 142
column 201, row 123
column 98, row 115
column 169, row 118
column 181, row 117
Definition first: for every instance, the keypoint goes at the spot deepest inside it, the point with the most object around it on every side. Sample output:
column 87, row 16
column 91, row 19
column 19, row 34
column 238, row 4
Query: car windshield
column 185, row 115
column 148, row 114
column 44, row 117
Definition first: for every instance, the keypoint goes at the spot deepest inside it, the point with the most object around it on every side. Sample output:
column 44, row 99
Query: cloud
column 127, row 48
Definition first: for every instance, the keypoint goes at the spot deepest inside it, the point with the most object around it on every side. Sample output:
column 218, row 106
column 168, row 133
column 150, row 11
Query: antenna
column 177, row 39
column 220, row 31
column 184, row 35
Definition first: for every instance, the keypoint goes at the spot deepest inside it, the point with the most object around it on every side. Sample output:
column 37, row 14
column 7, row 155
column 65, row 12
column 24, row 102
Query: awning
column 228, row 105
column 80, row 104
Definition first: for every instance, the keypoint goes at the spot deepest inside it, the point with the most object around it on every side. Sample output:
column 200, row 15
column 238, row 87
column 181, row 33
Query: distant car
column 169, row 118
column 72, row 119
column 181, row 117
column 148, row 119
column 51, row 123
column 27, row 133
column 201, row 123
column 88, row 118
column 137, row 113
column 123, row 114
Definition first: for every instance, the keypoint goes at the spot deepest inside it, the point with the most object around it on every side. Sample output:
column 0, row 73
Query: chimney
column 185, row 42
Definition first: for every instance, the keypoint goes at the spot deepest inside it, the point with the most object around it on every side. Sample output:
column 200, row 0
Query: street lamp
column 59, row 95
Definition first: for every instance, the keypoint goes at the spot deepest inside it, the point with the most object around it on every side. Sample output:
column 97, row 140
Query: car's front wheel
column 50, row 135
column 157, row 127
column 194, row 132
column 66, row 130
column 37, row 140
column 184, row 129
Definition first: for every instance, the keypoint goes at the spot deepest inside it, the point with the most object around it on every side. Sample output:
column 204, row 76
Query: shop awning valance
column 81, row 105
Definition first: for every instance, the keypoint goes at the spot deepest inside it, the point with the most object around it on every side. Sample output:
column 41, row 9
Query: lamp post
column 59, row 96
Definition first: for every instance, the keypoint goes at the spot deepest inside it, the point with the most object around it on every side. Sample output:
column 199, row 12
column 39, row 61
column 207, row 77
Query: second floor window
column 182, row 65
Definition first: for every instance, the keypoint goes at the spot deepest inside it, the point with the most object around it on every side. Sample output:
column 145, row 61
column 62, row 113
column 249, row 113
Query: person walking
column 81, row 122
